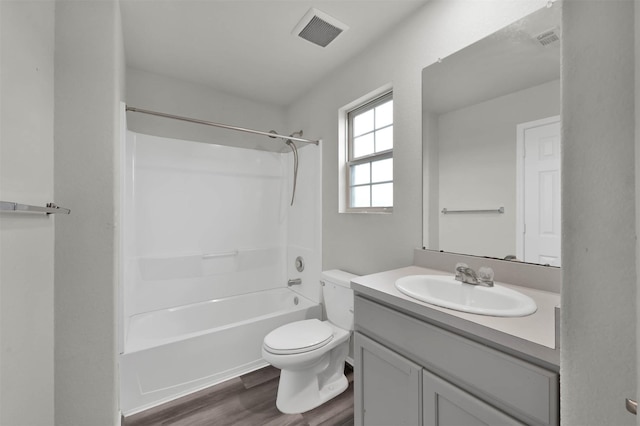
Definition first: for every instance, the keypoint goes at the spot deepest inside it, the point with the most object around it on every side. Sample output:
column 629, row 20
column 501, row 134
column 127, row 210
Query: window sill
column 381, row 210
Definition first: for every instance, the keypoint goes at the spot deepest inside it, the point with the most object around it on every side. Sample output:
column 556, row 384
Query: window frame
column 369, row 158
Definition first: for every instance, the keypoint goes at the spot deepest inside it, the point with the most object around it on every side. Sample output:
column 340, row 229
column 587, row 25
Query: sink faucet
column 467, row 275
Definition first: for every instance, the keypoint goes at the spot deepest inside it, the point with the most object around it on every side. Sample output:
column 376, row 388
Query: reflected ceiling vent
column 548, row 37
column 319, row 28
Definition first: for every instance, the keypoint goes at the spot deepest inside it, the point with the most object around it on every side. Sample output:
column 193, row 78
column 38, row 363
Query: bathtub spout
column 295, row 281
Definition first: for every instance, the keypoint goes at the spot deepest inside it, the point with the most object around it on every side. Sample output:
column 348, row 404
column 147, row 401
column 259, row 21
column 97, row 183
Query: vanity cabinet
column 409, row 371
column 390, row 386
column 447, row 404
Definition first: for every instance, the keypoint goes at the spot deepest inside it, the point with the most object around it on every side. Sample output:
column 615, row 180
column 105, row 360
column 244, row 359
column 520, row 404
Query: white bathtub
column 173, row 352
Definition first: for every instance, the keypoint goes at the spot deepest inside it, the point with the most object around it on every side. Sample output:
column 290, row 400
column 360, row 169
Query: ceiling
column 246, row 48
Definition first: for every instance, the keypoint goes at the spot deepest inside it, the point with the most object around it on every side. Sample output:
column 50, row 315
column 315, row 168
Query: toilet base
column 301, row 394
column 304, row 390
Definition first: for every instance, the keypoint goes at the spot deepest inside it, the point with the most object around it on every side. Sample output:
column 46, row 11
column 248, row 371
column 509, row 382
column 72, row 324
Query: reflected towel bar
column 500, row 211
column 221, row 254
column 51, row 208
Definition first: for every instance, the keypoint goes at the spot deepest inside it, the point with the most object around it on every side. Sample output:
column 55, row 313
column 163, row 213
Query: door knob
column 632, row 406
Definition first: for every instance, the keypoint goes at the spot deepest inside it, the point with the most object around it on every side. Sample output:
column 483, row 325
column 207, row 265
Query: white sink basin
column 445, row 291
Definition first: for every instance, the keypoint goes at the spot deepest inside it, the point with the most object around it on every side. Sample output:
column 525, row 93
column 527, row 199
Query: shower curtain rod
column 224, row 126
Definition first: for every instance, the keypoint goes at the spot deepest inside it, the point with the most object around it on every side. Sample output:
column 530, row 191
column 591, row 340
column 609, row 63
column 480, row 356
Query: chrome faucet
column 295, row 281
column 467, row 275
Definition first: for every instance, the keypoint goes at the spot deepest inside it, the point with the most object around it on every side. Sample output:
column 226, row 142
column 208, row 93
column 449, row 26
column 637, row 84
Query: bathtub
column 173, row 352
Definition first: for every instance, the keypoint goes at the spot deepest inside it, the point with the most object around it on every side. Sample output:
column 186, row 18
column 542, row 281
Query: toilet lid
column 298, row 337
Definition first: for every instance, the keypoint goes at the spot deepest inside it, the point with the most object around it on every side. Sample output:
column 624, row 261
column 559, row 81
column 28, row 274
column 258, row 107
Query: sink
column 445, row 291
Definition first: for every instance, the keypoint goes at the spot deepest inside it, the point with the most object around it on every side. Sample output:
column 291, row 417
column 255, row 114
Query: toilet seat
column 298, row 337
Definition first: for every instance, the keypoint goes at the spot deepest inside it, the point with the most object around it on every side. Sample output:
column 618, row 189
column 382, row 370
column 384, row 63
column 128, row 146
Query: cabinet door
column 445, row 404
column 388, row 387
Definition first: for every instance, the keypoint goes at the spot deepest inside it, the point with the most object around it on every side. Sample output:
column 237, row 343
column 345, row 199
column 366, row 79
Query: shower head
column 297, row 134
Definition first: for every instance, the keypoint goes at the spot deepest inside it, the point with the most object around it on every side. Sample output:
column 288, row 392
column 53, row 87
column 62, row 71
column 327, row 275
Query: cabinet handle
column 632, row 406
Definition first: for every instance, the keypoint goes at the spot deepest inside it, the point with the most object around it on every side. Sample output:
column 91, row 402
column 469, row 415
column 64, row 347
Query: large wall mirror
column 491, row 145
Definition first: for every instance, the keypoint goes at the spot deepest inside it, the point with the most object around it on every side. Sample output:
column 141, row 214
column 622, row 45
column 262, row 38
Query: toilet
column 311, row 353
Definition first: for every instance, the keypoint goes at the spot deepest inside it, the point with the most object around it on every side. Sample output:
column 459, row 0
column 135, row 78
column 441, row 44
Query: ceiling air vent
column 319, row 28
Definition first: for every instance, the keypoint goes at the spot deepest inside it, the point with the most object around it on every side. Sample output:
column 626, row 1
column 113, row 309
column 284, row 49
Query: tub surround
column 532, row 338
column 202, row 285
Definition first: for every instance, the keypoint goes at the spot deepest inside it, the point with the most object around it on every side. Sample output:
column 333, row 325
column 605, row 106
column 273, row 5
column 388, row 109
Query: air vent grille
column 548, row 37
column 319, row 28
column 320, row 32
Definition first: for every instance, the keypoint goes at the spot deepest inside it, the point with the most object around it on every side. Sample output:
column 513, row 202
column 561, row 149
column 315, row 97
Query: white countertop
column 532, row 337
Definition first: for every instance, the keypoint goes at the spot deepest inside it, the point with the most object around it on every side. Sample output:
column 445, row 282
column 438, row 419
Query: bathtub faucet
column 295, row 281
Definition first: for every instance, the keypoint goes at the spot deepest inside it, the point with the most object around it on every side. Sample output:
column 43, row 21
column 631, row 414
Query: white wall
column 598, row 352
column 169, row 95
column 26, row 241
column 88, row 87
column 477, row 168
column 367, row 243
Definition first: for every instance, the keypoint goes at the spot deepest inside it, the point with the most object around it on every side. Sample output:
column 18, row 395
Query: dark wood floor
column 247, row 400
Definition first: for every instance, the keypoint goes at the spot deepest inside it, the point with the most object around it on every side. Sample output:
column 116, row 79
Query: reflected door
column 539, row 199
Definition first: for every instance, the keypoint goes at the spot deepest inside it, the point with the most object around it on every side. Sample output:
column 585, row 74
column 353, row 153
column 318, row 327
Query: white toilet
column 311, row 353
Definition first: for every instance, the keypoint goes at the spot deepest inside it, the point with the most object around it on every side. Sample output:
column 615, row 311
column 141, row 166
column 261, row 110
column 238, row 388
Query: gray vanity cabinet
column 410, row 371
column 446, row 404
column 389, row 386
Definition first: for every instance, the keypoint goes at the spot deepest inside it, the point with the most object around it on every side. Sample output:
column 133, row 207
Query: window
column 370, row 156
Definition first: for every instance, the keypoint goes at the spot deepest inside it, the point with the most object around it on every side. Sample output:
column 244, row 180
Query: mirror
column 491, row 145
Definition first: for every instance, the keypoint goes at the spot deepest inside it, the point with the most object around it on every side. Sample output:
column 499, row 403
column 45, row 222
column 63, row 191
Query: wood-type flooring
column 247, row 400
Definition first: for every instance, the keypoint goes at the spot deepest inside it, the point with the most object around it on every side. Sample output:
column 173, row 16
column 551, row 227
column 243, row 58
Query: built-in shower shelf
column 187, row 266
column 220, row 254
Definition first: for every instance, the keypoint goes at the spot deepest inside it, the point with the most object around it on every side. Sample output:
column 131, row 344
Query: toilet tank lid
column 336, row 276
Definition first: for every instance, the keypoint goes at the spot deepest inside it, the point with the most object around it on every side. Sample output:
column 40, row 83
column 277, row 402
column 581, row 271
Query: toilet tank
column 338, row 297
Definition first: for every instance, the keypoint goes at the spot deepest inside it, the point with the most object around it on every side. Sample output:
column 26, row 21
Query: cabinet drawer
column 517, row 387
